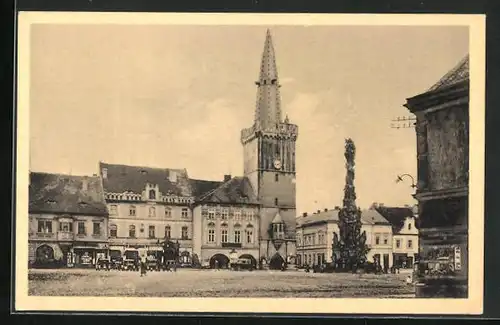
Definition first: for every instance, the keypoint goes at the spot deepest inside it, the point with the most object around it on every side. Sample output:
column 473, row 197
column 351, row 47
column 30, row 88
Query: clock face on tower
column 277, row 164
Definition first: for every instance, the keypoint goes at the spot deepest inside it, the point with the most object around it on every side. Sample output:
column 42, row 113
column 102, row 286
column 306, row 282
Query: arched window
column 152, row 194
column 131, row 231
column 184, row 233
column 237, row 236
column 113, row 231
column 168, row 212
column 167, row 232
column 249, row 232
column 131, row 210
column 211, row 233
column 224, row 233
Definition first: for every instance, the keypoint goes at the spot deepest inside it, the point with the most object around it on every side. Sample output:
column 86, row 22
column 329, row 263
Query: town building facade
column 68, row 220
column 226, row 224
column 212, row 221
column 315, row 237
column 442, row 129
column 148, row 206
column 405, row 242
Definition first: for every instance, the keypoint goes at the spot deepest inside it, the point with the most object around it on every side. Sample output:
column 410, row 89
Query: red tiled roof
column 57, row 193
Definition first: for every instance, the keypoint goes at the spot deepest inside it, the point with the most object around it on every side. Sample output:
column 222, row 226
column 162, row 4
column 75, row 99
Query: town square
column 224, row 283
column 187, row 166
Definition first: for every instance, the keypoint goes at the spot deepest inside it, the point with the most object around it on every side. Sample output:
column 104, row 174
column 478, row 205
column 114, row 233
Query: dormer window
column 409, row 226
column 278, row 227
column 152, row 194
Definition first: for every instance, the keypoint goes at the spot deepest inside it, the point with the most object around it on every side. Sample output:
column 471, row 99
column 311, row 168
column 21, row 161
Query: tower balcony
column 281, row 130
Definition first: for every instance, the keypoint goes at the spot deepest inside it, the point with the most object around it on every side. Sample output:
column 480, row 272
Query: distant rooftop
column 368, row 217
column 58, row 193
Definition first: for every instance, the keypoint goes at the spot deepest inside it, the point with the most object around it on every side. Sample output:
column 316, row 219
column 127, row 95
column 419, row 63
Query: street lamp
column 400, row 179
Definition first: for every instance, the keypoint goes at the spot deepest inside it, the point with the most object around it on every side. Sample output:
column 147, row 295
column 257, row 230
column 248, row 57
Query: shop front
column 403, row 260
column 86, row 256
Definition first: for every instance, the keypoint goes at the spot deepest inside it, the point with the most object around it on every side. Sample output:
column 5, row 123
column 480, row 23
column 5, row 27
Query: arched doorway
column 44, row 255
column 276, row 262
column 250, row 257
column 222, row 261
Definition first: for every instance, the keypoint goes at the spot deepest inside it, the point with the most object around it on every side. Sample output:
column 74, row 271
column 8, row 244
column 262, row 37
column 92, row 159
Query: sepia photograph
column 333, row 159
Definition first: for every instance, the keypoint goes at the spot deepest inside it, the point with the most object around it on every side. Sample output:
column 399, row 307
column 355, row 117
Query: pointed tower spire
column 268, row 106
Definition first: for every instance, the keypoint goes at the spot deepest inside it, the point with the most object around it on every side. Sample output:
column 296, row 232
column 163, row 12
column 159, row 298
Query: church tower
column 269, row 164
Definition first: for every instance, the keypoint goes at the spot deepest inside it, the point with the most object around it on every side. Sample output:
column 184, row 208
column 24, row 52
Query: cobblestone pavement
column 212, row 283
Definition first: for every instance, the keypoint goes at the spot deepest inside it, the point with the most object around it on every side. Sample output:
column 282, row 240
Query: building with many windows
column 315, row 237
column 251, row 216
column 226, row 222
column 148, row 206
column 68, row 220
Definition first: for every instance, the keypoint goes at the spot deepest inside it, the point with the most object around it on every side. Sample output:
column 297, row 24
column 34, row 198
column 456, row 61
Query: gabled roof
column 123, row 178
column 236, row 190
column 395, row 215
column 372, row 217
column 458, row 74
column 368, row 217
column 57, row 193
column 200, row 187
column 277, row 218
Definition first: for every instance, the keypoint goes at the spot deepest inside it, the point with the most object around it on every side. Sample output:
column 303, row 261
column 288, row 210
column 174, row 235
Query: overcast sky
column 178, row 96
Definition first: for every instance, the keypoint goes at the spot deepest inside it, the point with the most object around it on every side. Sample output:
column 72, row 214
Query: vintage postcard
column 250, row 163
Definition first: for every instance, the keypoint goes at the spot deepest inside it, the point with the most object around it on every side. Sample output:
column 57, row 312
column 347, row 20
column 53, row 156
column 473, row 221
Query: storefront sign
column 458, row 258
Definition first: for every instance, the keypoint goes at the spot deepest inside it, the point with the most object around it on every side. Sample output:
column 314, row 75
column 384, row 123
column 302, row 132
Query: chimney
column 172, row 176
column 104, row 173
column 318, row 211
column 85, row 183
column 227, row 178
column 337, row 207
column 381, row 205
column 326, row 210
column 304, row 214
